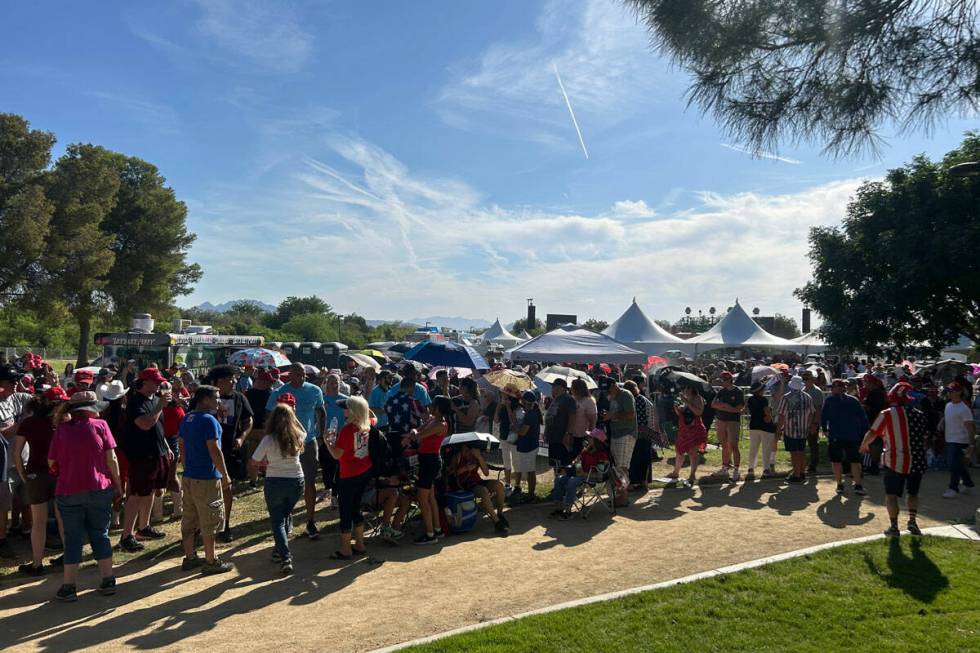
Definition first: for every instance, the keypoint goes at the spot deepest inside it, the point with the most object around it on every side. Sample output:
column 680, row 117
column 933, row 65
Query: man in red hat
column 148, row 453
column 83, row 382
column 902, row 428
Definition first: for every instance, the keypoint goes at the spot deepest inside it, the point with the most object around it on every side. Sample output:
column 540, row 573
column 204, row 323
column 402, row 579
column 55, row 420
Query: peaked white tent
column 497, row 336
column 635, row 329
column 810, row 342
column 573, row 344
column 524, row 335
column 737, row 329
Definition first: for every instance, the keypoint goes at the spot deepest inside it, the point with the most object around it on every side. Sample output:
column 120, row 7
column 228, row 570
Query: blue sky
column 407, row 159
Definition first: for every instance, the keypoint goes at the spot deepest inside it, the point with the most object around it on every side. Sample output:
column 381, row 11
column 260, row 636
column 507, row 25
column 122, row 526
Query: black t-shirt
column 140, row 444
column 757, row 415
column 256, row 401
column 556, row 428
column 733, row 397
column 235, row 409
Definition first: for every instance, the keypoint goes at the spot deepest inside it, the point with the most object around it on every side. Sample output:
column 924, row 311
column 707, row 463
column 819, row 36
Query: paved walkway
column 420, row 591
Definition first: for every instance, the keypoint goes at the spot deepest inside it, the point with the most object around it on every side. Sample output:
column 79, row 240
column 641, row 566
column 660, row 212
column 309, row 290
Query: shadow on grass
column 915, row 574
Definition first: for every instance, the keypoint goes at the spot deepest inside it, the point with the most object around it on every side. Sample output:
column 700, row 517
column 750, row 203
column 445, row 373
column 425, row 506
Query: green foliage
column 293, row 306
column 25, row 212
column 521, row 324
column 316, row 327
column 821, row 70
column 664, row 324
column 592, row 324
column 903, row 266
column 785, row 327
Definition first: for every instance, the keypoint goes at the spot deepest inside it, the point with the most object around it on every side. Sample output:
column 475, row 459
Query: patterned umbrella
column 258, row 357
column 502, row 378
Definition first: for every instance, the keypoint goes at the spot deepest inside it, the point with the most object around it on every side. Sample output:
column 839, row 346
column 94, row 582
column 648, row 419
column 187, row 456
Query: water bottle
column 332, row 431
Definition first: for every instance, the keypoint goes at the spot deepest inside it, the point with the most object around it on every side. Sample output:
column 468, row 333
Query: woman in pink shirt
column 82, row 457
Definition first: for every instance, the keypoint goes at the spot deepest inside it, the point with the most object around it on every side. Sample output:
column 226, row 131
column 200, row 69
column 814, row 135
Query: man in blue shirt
column 420, row 394
column 845, row 422
column 311, row 414
column 378, row 397
column 335, row 421
column 204, row 476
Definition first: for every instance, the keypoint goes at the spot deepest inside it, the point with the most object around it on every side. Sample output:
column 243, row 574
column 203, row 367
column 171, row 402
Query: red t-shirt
column 356, row 459
column 171, row 420
column 38, row 432
column 433, row 443
column 591, row 459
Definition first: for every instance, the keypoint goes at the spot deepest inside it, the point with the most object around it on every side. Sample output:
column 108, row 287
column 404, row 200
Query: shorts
column 429, row 467
column 6, row 495
column 40, row 488
column 794, row 444
column 309, row 460
column 838, row 449
column 148, row 476
column 204, row 506
column 622, row 449
column 895, row 483
column 507, row 451
column 525, row 462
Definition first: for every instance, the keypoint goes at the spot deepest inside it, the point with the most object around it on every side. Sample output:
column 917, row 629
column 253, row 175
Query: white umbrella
column 549, row 375
column 762, row 371
column 363, row 360
column 471, row 438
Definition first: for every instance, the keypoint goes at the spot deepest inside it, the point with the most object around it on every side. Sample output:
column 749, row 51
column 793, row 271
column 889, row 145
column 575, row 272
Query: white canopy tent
column 737, row 329
column 497, row 337
column 811, row 343
column 573, row 344
column 524, row 335
column 635, row 329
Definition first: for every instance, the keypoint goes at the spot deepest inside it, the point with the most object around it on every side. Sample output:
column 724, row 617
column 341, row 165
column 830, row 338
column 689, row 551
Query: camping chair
column 599, row 487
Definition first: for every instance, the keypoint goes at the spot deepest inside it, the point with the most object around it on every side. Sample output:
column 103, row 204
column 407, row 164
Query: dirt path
column 419, row 591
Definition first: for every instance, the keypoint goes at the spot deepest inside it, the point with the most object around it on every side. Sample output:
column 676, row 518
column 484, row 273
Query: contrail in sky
column 568, row 104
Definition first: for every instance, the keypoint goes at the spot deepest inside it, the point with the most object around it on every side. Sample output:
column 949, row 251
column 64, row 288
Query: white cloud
column 360, row 228
column 606, row 65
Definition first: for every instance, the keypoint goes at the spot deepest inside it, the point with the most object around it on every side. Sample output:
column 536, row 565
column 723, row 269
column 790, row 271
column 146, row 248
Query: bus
column 198, row 351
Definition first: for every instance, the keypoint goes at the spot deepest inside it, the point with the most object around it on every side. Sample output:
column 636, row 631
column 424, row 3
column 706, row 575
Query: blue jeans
column 281, row 495
column 86, row 515
column 565, row 489
column 956, row 460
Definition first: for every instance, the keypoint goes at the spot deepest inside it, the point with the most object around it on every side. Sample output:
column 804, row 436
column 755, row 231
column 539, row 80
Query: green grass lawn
column 916, row 594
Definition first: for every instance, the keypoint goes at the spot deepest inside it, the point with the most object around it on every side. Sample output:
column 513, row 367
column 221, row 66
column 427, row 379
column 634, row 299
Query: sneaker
column 391, row 534
column 29, row 569
column 913, row 528
column 107, row 587
column 735, row 476
column 312, row 531
column 57, row 562
column 950, row 493
column 6, row 551
column 67, row 594
column 226, row 535
column 892, row 531
column 426, row 539
column 439, row 534
column 191, row 563
column 840, row 488
column 130, row 544
column 150, row 533
column 508, row 490
column 795, row 479
column 501, row 528
column 219, row 566
column 286, row 566
column 860, row 491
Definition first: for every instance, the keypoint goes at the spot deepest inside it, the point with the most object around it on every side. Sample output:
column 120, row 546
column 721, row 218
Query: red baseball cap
column 152, row 374
column 56, row 393
column 264, row 375
column 286, row 398
column 726, row 375
column 83, row 375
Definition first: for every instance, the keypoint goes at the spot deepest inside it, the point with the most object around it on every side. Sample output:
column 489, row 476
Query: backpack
column 379, row 452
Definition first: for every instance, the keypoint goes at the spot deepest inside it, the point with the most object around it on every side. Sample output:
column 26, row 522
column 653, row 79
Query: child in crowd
column 566, row 485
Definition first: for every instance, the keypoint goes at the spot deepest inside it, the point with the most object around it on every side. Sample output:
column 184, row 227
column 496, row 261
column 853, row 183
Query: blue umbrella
column 449, row 354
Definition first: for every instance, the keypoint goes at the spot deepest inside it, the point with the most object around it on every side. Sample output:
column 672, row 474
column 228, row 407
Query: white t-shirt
column 956, row 416
column 279, row 466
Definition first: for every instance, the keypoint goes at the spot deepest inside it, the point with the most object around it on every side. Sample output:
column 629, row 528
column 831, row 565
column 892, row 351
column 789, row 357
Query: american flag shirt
column 404, row 413
column 903, row 431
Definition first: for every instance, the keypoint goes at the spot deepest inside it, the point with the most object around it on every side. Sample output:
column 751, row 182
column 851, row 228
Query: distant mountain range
column 225, row 307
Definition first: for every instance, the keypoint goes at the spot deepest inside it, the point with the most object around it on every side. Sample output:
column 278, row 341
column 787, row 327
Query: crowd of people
column 103, row 449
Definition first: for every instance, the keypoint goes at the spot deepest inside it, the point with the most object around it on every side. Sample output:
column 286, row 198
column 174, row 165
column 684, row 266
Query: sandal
column 337, row 555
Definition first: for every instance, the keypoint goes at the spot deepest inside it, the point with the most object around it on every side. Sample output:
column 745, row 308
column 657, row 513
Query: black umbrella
column 670, row 378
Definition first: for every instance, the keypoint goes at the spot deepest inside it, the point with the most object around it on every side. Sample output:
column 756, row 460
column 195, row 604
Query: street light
column 968, row 169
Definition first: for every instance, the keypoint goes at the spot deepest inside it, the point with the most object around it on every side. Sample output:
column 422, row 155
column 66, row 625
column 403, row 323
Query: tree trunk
column 84, row 335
